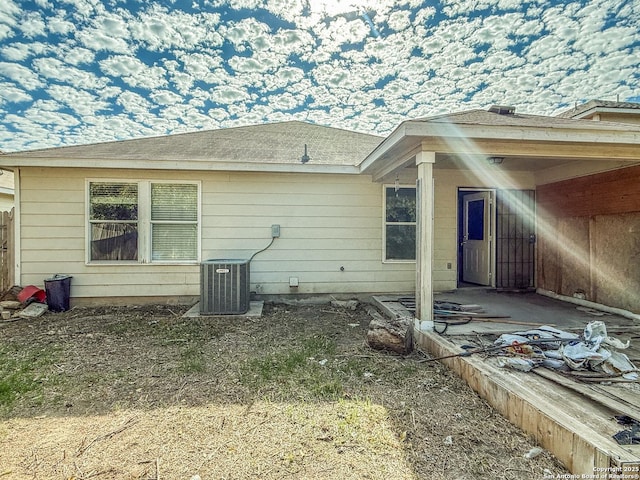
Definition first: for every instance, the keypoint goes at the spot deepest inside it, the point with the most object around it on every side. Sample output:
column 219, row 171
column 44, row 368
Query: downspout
column 17, row 250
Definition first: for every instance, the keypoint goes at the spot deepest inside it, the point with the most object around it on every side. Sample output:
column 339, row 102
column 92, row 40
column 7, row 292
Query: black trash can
column 58, row 290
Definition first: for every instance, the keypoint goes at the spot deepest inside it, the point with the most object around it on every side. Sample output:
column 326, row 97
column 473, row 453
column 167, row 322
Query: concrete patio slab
column 255, row 310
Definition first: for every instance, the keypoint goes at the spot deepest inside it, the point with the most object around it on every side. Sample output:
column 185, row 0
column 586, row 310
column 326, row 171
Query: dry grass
column 142, row 393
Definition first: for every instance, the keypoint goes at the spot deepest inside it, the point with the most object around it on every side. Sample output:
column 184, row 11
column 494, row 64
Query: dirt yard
column 143, row 393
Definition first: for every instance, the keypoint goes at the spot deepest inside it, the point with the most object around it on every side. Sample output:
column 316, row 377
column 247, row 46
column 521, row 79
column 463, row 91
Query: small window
column 114, row 221
column 166, row 215
column 400, row 224
column 475, row 224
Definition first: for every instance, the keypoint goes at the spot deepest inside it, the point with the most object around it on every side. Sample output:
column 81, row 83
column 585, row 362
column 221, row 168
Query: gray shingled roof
column 486, row 118
column 274, row 143
column 594, row 104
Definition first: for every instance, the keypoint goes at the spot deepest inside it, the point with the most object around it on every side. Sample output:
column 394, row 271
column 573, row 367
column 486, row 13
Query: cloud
column 134, row 72
column 75, row 55
column 165, row 97
column 399, row 20
column 229, row 95
column 16, row 51
column 32, row 25
column 59, row 71
column 11, row 93
column 9, row 13
column 55, row 120
column 250, row 64
column 21, row 75
column 98, row 40
column 80, row 101
column 108, row 32
column 159, row 30
column 202, row 67
column 60, row 25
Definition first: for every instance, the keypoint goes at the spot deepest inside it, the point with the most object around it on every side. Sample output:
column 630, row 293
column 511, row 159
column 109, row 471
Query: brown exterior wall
column 589, row 237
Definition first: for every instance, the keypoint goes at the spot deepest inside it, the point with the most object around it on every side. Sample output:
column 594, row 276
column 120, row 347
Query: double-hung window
column 400, row 223
column 143, row 221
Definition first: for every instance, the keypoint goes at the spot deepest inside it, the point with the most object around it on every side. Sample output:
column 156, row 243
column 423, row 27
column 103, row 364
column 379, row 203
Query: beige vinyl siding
column 327, row 222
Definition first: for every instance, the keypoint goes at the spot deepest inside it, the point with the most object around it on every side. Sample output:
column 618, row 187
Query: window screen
column 400, row 223
column 113, row 213
column 174, row 220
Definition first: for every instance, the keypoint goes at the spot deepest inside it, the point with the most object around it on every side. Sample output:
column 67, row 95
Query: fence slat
column 6, row 250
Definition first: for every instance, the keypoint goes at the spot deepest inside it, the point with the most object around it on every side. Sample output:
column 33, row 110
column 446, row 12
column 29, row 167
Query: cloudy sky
column 86, row 71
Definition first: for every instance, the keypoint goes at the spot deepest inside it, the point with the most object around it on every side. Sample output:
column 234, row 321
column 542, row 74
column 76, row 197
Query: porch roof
column 593, row 106
column 529, row 142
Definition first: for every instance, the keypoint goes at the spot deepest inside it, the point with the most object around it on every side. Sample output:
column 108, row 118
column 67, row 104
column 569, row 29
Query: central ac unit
column 224, row 287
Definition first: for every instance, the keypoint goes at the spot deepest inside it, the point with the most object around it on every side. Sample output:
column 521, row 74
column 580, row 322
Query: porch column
column 424, row 240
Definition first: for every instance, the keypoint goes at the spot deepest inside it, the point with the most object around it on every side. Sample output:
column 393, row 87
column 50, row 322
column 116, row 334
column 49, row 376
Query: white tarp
column 593, row 350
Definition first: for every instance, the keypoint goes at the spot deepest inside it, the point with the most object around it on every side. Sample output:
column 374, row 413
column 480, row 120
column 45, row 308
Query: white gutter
column 514, row 132
column 137, row 164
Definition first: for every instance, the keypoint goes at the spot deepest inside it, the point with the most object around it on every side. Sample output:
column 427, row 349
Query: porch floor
column 571, row 417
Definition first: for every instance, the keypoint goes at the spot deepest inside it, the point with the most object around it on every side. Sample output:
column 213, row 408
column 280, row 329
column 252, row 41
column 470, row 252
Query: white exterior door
column 477, row 238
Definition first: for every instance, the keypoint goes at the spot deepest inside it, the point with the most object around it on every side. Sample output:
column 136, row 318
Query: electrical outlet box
column 275, row 231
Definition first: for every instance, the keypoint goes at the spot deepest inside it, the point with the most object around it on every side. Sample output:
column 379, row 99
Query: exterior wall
column 589, row 242
column 327, row 222
column 447, row 183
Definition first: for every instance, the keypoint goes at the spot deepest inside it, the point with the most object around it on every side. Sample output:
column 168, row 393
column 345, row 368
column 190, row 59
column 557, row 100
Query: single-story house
column 482, row 197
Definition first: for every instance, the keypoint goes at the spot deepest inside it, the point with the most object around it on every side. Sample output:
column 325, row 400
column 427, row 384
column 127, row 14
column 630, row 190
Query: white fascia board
column 387, row 144
column 541, row 134
column 591, row 111
column 190, row 165
column 7, row 191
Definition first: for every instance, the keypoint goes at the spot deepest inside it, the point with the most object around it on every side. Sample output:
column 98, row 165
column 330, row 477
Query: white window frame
column 385, row 223
column 144, row 222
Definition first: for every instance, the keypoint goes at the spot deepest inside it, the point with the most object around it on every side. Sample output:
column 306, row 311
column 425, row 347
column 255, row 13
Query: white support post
column 424, row 247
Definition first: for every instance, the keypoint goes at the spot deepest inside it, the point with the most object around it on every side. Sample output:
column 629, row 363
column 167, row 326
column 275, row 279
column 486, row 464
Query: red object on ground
column 31, row 291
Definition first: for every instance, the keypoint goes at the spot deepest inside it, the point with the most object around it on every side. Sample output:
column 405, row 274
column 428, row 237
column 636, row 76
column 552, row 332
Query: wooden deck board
column 575, row 429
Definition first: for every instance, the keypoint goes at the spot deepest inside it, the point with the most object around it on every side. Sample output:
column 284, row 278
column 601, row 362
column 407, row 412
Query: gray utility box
column 224, row 287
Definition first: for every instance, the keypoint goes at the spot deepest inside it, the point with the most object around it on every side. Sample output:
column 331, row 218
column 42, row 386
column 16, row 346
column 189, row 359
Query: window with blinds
column 143, row 221
column 174, row 222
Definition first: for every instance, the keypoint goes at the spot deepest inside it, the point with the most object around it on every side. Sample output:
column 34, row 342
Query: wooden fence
column 7, row 251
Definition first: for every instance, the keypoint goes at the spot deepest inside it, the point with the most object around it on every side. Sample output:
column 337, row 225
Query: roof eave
column 385, row 146
column 423, row 131
column 9, row 161
column 522, row 132
column 594, row 110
